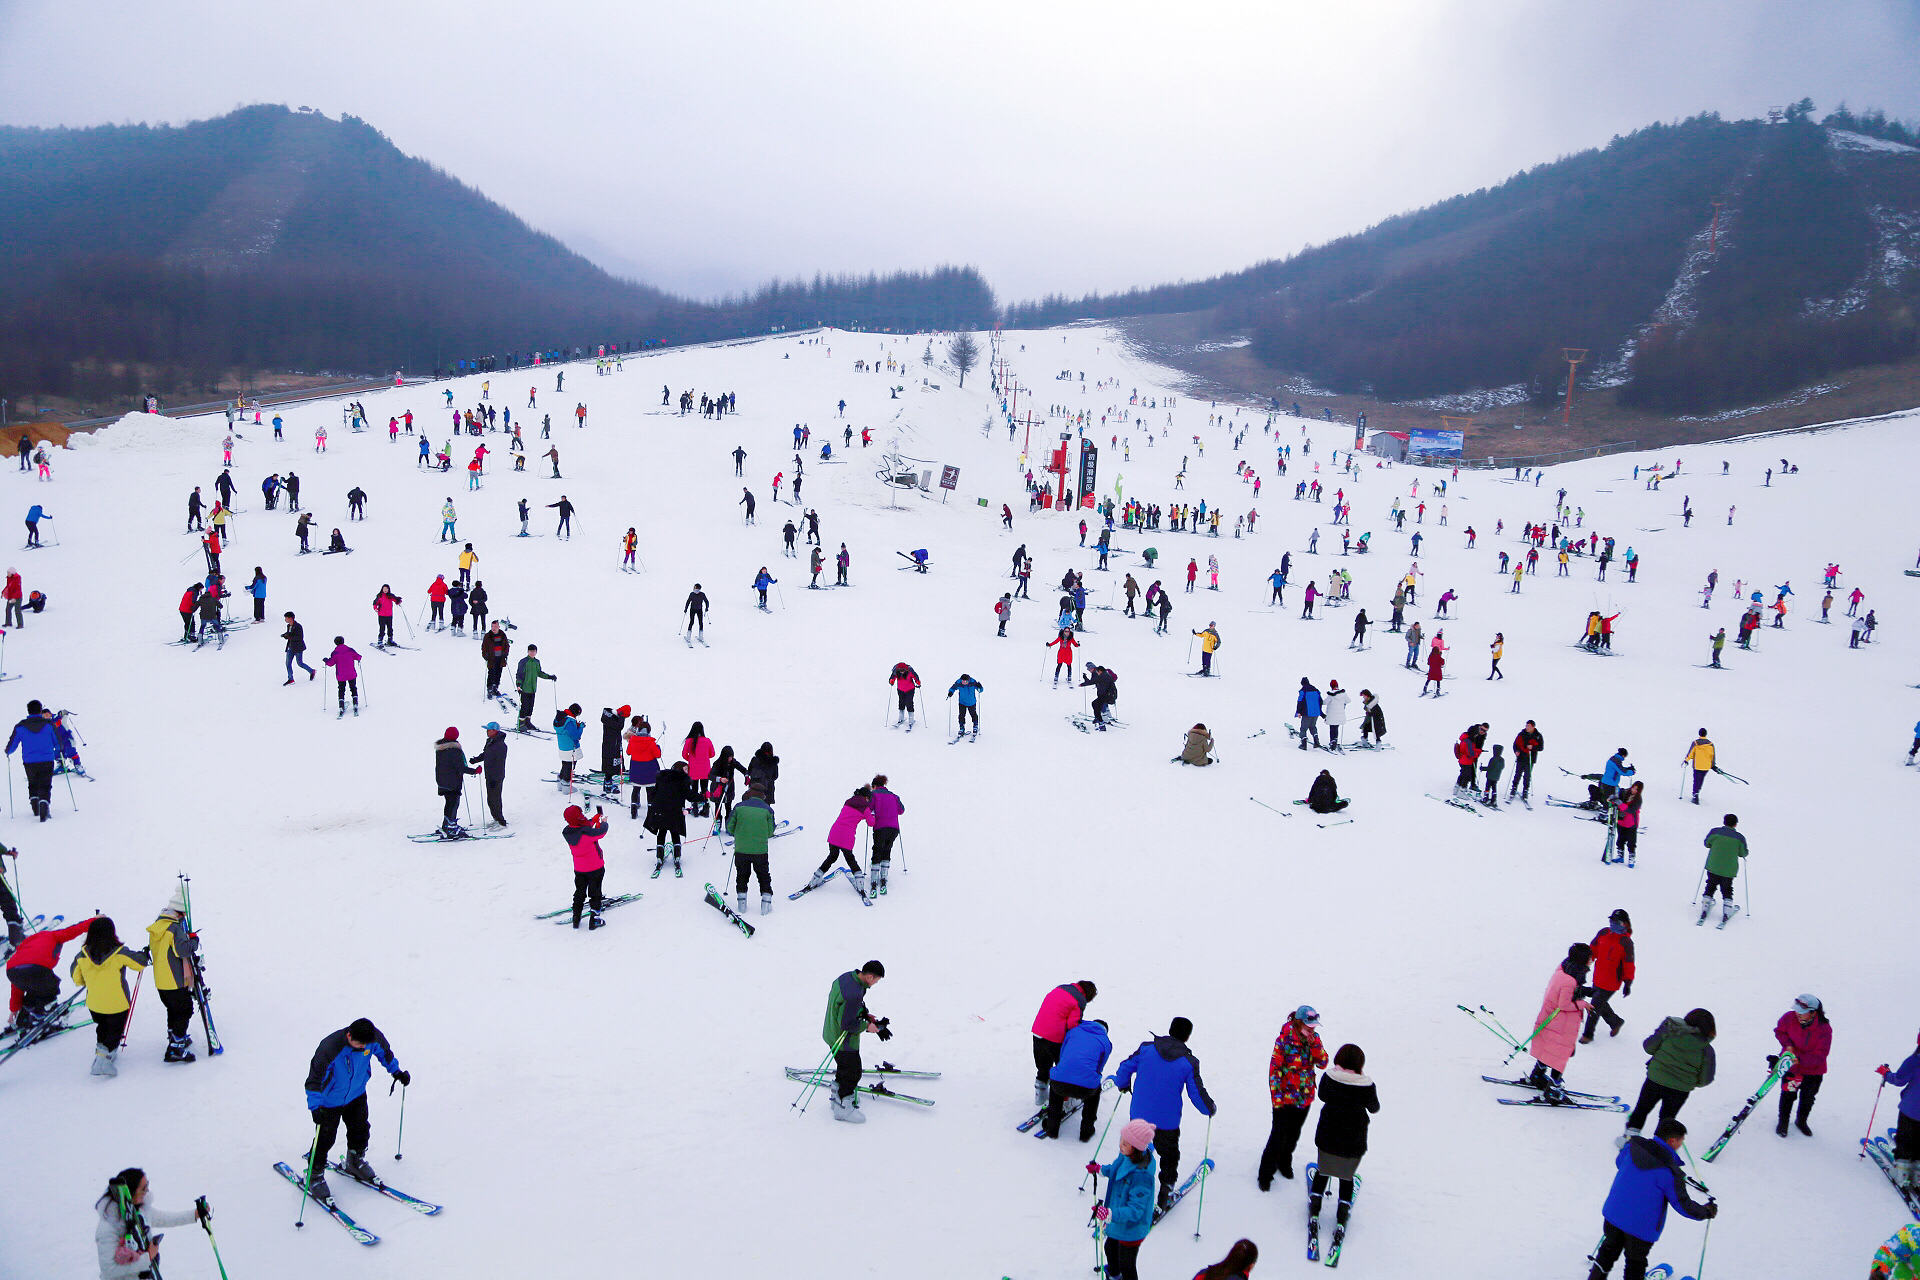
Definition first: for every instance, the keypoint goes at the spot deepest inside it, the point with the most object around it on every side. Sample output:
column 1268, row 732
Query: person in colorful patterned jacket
column 1297, row 1054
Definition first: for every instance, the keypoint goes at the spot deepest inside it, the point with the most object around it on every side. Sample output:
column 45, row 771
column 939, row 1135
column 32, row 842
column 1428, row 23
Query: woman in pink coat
column 697, row 751
column 1557, row 1025
column 843, row 833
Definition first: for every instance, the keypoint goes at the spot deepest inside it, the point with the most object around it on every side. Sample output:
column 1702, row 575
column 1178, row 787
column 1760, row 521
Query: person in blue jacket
column 761, row 581
column 1126, row 1213
column 1165, row 1067
column 337, row 1090
column 39, row 748
column 1307, row 707
column 567, row 731
column 35, row 514
column 258, row 590
column 1612, row 778
column 1906, row 1138
column 970, row 690
column 1650, row 1178
column 1083, row 1056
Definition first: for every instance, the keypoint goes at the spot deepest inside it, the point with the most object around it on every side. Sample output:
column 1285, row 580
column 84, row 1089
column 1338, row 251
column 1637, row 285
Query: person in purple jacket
column 345, row 662
column 1906, row 1138
column 886, row 829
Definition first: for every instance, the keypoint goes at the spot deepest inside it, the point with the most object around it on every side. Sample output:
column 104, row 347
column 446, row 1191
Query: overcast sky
column 1058, row 146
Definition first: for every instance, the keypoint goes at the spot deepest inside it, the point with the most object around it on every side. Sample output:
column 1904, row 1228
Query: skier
column 885, row 821
column 763, row 771
column 1680, row 1060
column 493, row 763
column 124, row 1237
column 1323, row 796
column 567, row 733
column 1719, row 639
column 643, row 762
column 1804, row 1032
column 847, row 1017
column 816, row 561
column 1063, row 646
column 1334, row 706
column 667, row 814
column 969, row 690
column 1360, row 624
column 1347, row 1096
column 1060, row 1012
column 1626, row 822
column 1165, row 1068
column 1297, row 1052
column 1373, row 719
column 494, row 651
column 1003, row 610
column 345, row 662
column 1650, row 1178
column 449, row 775
column 39, row 749
column 1209, row 641
column 1552, row 1043
column 761, row 581
column 1906, row 1137
column 1081, row 1057
column 1498, row 649
column 1726, row 846
column 1307, row 706
column 336, row 1091
column 1617, row 770
column 437, row 602
column 1436, row 664
column 1496, row 765
column 739, row 453
column 696, row 611
column 696, row 752
column 31, row 974
column 101, row 968
column 750, row 824
column 1127, row 1212
column 565, row 508
column 855, row 810
column 840, row 562
column 1700, row 756
column 589, row 867
column 521, row 509
column 1612, row 950
column 1198, row 748
column 527, row 675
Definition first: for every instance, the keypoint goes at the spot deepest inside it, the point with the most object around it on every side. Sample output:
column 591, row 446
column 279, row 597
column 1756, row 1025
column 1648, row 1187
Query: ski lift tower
column 1573, row 356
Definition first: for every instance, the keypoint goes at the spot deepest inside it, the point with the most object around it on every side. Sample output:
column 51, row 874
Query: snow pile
column 585, row 1100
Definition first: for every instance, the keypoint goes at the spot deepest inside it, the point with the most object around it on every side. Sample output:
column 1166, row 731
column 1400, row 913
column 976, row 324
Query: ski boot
column 859, row 879
column 595, row 923
column 880, row 879
column 676, row 863
column 106, row 1062
column 740, row 903
column 317, row 1186
column 355, row 1166
column 179, row 1049
column 1039, row 1093
column 766, row 904
column 819, row 878
column 846, row 1109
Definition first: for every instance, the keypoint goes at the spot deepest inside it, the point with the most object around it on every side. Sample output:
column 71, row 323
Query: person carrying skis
column 1906, row 1137
column 1297, row 1051
column 527, row 676
column 1165, row 1068
column 1804, row 1032
column 1700, row 756
column 1726, row 846
column 751, row 824
column 337, row 1090
column 1126, row 1214
column 847, row 1017
column 172, row 949
column 1649, row 1178
column 969, row 690
column 1680, row 1060
column 1307, row 706
column 589, row 867
column 1557, row 1025
column 101, row 969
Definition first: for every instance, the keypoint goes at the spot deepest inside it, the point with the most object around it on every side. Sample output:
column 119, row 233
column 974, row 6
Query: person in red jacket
column 437, row 597
column 1063, row 647
column 1060, row 1013
column 189, row 605
column 1466, row 751
column 1436, row 663
column 1612, row 971
column 1804, row 1032
column 32, row 974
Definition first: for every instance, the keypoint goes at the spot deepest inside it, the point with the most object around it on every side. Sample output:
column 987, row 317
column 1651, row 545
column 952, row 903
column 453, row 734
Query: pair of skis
column 1033, row 1122
column 459, row 833
column 1313, row 1221
column 878, row 1089
column 714, row 900
column 1573, row 1100
column 562, row 916
column 339, row 1215
column 1456, row 802
column 1880, row 1151
column 866, row 896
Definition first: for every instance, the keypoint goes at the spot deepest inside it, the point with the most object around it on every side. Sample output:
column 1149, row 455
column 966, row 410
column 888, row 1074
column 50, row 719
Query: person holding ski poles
column 336, row 1091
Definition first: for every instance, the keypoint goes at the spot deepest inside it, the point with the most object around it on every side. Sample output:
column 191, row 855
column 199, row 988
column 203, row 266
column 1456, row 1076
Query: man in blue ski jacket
column 1649, row 1179
column 337, row 1090
column 969, row 690
column 39, row 748
column 1156, row 1074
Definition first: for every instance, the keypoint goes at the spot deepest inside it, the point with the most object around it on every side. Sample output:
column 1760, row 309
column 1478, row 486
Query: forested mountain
column 154, row 258
column 1815, row 267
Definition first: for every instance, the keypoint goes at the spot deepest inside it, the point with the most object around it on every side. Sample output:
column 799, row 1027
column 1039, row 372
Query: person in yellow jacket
column 172, row 949
column 1498, row 649
column 101, row 968
column 1209, row 641
column 468, row 559
column 1700, row 756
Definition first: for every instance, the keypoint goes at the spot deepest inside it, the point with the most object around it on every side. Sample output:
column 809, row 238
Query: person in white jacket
column 1334, row 707
column 124, row 1235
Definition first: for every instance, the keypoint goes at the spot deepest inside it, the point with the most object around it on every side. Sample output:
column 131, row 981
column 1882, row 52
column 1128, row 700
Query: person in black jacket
column 449, row 774
column 1105, row 693
column 696, row 610
column 763, row 770
column 495, row 648
column 667, row 813
column 720, row 784
column 1527, row 746
column 493, row 762
column 477, row 606
column 1324, row 795
column 296, row 637
column 612, row 721
column 1347, row 1096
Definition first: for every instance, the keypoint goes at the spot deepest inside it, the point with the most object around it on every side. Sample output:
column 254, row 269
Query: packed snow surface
column 613, row 1102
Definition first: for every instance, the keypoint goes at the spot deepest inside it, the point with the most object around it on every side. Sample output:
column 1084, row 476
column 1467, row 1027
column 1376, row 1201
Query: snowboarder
column 336, row 1091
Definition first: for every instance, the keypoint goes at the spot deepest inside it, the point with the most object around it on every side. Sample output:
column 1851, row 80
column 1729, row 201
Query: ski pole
column 1205, row 1146
column 1683, row 781
column 1470, row 1013
column 1529, row 1040
column 68, row 774
column 1742, row 781
column 1103, row 1138
column 306, row 1187
column 1701, row 1270
column 132, row 1001
column 1863, row 1142
column 401, row 1132
column 814, row 1081
column 206, row 1221
column 10, row 796
column 1264, row 805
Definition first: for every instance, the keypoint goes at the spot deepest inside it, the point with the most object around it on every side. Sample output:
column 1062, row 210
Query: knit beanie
column 1137, row 1134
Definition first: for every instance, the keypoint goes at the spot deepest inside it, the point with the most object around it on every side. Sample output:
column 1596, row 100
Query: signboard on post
column 1426, row 442
column 1089, row 467
column 949, row 477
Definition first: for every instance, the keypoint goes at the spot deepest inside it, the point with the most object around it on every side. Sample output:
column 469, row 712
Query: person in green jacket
column 1680, row 1060
column 1725, row 847
column 847, row 1017
column 1719, row 639
column 527, row 677
column 750, row 823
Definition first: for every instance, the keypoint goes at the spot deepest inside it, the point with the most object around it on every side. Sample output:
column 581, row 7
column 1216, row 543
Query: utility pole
column 1573, row 356
column 1713, row 236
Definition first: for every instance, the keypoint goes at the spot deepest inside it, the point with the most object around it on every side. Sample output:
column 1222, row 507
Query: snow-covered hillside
column 613, row 1102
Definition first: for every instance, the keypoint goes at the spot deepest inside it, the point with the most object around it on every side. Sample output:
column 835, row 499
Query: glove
column 1882, row 1068
column 1626, row 988
column 1093, row 1166
column 404, row 1077
column 202, row 1210
column 1100, row 1212
column 1773, row 1059
column 883, row 1033
column 1711, row 1211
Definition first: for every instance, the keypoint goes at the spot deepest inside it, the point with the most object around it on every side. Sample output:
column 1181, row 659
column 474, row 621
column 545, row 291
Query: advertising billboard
column 1423, row 442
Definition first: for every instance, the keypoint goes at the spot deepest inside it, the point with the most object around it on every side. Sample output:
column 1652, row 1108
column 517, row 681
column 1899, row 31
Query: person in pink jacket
column 383, row 610
column 1557, row 1025
column 345, row 661
column 1804, row 1032
column 1060, row 1013
column 841, row 837
column 697, row 751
